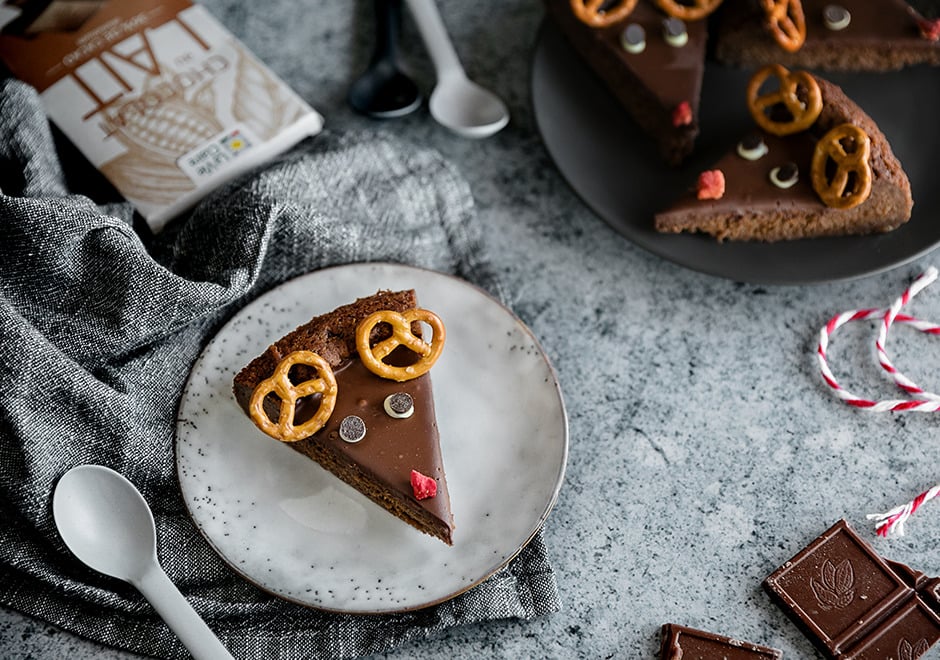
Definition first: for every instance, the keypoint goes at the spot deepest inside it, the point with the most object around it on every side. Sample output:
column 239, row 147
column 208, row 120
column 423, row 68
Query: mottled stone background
column 705, row 449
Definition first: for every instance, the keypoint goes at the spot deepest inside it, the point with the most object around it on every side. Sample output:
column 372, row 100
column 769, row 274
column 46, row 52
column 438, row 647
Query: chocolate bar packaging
column 156, row 94
column 852, row 603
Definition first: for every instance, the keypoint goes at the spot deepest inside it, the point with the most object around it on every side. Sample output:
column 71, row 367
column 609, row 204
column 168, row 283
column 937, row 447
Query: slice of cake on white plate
column 350, row 389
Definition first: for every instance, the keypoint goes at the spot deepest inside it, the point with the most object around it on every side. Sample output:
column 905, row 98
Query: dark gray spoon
column 383, row 90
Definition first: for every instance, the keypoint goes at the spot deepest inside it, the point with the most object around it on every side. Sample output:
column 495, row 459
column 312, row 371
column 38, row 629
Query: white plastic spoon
column 457, row 102
column 106, row 522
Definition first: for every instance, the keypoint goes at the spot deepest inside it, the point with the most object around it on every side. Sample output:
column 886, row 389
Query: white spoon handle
column 436, row 39
column 180, row 616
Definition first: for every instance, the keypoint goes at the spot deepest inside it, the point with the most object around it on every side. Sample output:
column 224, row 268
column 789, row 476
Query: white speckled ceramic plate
column 292, row 528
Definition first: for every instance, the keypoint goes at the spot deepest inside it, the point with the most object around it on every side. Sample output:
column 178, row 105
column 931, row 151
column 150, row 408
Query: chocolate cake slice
column 850, row 35
column 381, row 437
column 772, row 197
column 651, row 62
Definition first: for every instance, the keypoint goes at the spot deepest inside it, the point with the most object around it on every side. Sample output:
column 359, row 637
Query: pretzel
column 373, row 356
column 279, row 383
column 835, row 191
column 786, row 23
column 698, row 9
column 595, row 14
column 803, row 111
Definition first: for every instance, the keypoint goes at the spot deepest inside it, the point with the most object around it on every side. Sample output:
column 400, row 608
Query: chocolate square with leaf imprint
column 852, row 602
column 907, row 634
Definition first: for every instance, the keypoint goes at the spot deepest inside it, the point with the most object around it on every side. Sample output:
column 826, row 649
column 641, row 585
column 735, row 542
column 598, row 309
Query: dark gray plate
column 615, row 169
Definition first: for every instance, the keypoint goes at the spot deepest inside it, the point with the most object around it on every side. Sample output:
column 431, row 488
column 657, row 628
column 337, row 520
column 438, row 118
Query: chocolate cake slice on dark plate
column 849, row 35
column 817, row 166
column 650, row 56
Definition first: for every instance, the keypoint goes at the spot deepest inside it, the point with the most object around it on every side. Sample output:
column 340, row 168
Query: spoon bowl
column 467, row 108
column 122, row 550
column 106, row 523
column 457, row 102
column 383, row 91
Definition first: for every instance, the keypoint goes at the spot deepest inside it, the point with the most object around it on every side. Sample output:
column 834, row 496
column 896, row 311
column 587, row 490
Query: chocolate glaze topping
column 392, row 447
column 672, row 74
column 748, row 184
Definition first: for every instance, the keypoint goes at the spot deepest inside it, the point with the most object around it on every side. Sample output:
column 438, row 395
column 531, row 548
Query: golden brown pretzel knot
column 804, row 109
column 688, row 12
column 593, row 12
column 289, row 393
column 786, row 22
column 842, row 191
column 372, row 356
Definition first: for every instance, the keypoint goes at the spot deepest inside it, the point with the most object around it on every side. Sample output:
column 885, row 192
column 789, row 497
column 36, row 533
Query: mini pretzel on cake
column 402, row 335
column 692, row 11
column 848, row 148
column 786, row 23
column 797, row 92
column 602, row 13
column 289, row 393
column 605, row 13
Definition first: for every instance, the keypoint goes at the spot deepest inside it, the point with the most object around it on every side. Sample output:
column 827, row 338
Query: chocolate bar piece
column 691, row 644
column 852, row 603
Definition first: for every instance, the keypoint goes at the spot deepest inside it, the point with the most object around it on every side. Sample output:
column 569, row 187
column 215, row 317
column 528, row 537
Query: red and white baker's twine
column 890, row 523
column 926, row 401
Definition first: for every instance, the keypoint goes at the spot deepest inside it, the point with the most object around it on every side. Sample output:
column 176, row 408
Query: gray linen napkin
column 98, row 331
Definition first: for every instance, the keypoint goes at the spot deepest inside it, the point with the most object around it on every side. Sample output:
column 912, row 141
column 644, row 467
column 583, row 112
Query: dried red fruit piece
column 682, row 115
column 423, row 486
column 930, row 29
column 711, row 184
